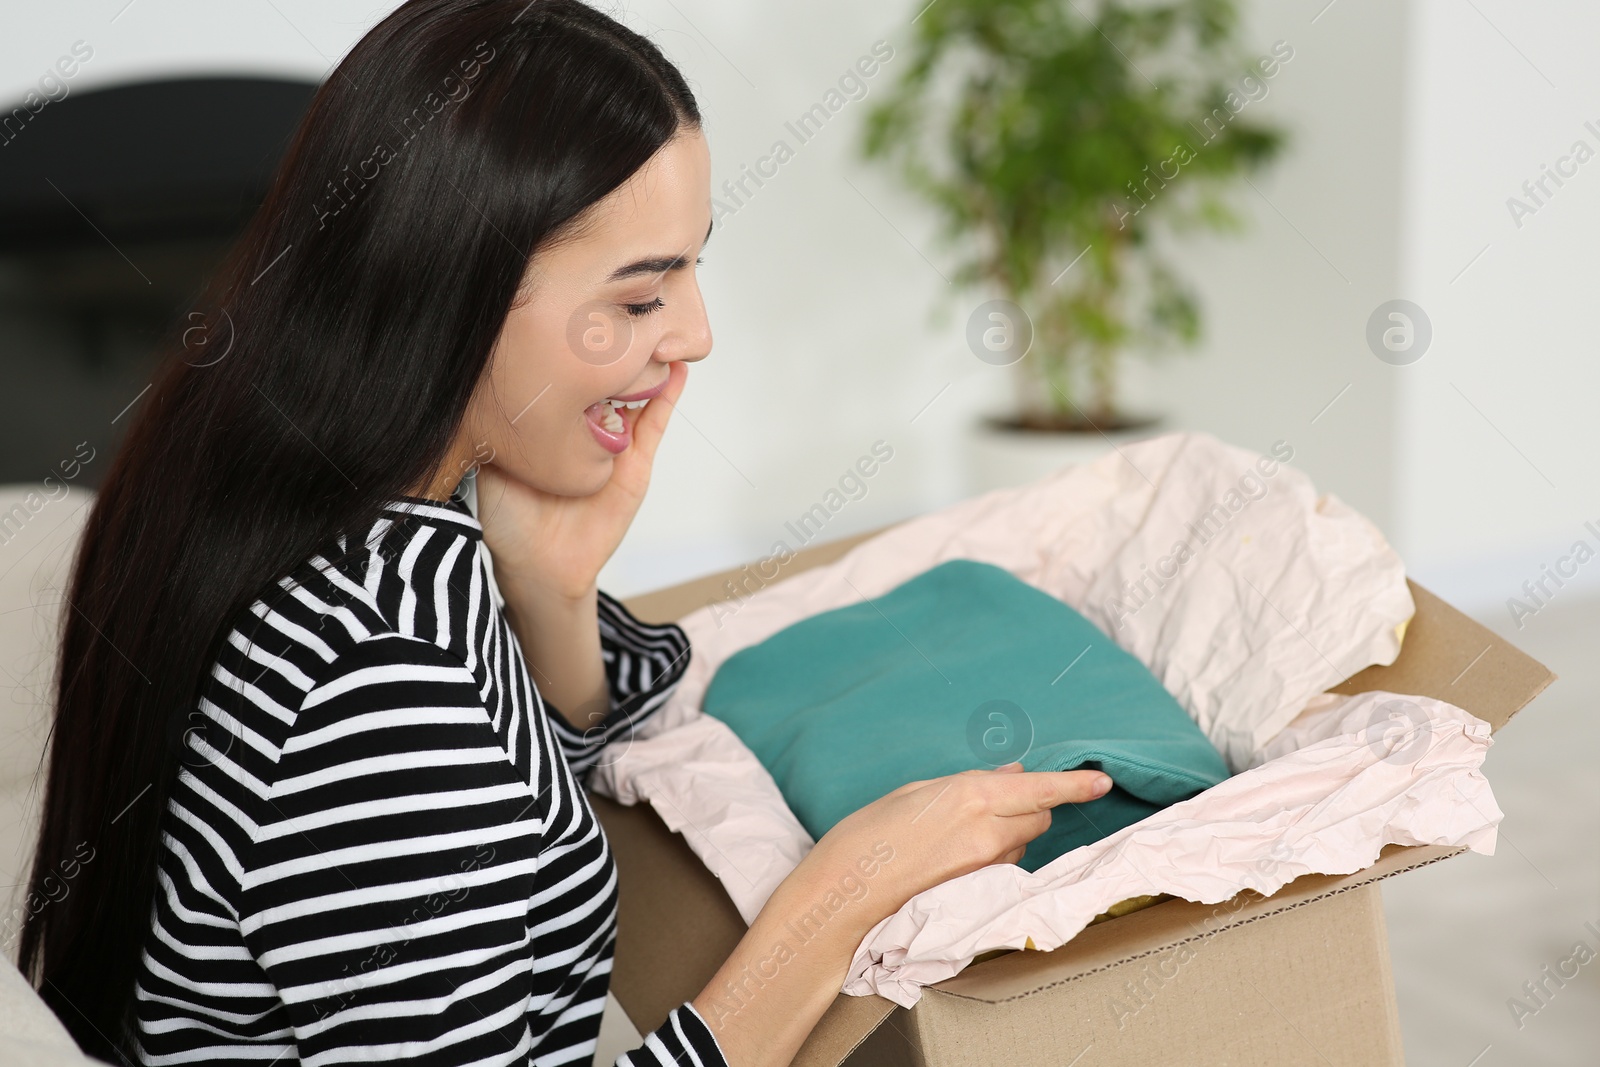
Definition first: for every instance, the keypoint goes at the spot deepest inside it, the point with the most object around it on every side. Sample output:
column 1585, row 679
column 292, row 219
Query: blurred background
column 1374, row 251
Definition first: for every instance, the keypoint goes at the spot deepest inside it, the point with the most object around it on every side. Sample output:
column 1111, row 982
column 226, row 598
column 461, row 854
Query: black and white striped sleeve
column 386, row 894
column 684, row 1040
column 643, row 663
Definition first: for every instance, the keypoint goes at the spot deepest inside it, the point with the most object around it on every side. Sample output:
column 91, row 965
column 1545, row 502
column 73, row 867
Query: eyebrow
column 656, row 264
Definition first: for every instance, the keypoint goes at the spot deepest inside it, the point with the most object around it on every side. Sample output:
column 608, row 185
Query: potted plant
column 1052, row 137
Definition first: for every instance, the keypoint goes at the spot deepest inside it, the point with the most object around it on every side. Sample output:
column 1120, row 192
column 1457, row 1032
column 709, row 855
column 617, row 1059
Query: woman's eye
column 638, row 310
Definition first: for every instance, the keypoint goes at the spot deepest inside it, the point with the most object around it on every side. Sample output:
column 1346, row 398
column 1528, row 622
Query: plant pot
column 1002, row 452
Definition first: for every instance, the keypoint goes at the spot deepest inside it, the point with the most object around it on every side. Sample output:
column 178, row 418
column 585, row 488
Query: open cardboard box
column 1301, row 977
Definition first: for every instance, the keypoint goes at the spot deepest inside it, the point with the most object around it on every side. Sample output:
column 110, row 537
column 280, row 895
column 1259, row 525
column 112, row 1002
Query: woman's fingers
column 1009, row 768
column 651, row 422
column 1034, row 791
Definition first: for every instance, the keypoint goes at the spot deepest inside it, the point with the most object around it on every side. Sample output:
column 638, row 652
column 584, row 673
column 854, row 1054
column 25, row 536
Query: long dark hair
column 327, row 373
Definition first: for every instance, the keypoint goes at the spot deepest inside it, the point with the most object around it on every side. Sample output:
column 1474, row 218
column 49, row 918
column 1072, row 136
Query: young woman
column 313, row 793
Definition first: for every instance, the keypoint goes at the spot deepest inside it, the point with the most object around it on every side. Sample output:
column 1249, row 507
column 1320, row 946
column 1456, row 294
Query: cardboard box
column 1301, row 977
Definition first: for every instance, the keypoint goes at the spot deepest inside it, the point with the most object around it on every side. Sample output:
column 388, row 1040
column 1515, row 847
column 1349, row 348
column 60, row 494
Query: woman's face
column 599, row 316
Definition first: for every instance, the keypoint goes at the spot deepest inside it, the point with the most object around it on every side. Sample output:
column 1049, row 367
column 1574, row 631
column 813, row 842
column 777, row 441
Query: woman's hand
column 553, row 546
column 938, row 829
column 792, row 961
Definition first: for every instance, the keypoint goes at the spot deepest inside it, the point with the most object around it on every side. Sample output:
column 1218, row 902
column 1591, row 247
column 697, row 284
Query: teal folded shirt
column 962, row 666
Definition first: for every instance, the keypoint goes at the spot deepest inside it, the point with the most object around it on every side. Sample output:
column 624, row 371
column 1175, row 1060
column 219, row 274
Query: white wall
column 162, row 38
column 1286, row 302
column 1497, row 425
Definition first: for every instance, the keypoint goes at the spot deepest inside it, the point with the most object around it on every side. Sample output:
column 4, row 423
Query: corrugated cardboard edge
column 1161, row 928
column 1445, row 655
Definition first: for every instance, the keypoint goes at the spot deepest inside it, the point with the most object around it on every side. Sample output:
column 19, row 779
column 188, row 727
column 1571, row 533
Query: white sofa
column 37, row 536
column 30, row 1034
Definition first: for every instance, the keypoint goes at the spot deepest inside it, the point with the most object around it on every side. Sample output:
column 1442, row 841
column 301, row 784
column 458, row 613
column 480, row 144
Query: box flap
column 1447, row 656
column 675, row 923
column 847, row 1022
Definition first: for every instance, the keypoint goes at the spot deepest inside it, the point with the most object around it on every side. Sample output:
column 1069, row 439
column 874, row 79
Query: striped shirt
column 379, row 847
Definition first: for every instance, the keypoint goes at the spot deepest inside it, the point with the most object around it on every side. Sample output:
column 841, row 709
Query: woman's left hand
column 554, row 546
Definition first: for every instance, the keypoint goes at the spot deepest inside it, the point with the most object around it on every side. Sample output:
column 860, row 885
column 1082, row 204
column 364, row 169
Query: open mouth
column 608, row 409
column 607, row 424
column 605, row 417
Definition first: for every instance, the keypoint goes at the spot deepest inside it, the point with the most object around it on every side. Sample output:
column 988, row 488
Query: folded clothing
column 961, row 666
